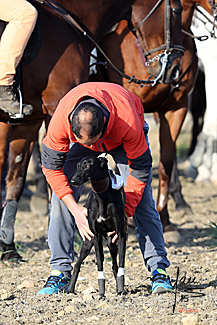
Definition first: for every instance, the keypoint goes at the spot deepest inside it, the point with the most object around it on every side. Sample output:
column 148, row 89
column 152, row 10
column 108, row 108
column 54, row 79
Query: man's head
column 87, row 123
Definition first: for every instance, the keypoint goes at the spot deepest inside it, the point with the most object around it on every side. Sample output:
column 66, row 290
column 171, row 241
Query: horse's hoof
column 184, row 207
column 9, row 254
column 39, row 205
column 171, row 235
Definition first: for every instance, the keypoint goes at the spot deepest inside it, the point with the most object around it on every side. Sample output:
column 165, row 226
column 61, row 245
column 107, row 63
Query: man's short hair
column 94, row 126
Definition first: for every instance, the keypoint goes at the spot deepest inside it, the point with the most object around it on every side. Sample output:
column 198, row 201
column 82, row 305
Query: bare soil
column 196, row 257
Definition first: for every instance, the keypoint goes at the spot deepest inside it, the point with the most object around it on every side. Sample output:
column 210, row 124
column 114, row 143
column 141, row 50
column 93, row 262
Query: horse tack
column 162, row 57
column 167, row 46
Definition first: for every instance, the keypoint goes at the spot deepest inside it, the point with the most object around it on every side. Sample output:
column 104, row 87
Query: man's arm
column 80, row 215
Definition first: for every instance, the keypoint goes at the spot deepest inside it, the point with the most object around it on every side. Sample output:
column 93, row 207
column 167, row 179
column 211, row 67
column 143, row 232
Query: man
column 93, row 118
column 21, row 17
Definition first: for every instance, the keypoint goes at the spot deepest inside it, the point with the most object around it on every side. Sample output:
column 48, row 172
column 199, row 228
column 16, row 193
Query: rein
column 163, row 57
column 214, row 25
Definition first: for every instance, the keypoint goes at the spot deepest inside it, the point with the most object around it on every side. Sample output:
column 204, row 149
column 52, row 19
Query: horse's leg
column 21, row 145
column 4, row 135
column 170, row 126
column 197, row 107
column 176, row 189
column 39, row 200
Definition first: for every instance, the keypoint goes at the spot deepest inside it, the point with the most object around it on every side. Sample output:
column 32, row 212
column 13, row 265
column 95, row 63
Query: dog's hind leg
column 85, row 251
column 121, row 253
column 100, row 259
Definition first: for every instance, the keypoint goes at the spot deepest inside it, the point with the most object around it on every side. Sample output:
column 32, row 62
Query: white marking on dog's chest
column 101, row 219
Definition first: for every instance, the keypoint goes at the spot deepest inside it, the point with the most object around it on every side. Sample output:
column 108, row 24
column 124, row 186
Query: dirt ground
column 196, row 257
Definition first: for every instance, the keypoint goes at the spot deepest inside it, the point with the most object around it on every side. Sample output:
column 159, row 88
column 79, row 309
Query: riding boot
column 10, row 103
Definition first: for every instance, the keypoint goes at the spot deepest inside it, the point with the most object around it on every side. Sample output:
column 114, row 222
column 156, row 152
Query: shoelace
column 52, row 280
column 160, row 278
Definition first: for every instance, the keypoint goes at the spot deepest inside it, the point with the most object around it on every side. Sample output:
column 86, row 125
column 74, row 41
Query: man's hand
column 114, row 238
column 80, row 215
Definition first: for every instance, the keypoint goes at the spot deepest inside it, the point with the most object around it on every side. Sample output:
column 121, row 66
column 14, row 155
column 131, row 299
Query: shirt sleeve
column 140, row 163
column 136, row 181
column 54, row 149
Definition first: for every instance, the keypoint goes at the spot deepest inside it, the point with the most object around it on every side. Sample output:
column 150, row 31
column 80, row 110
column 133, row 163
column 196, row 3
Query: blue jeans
column 146, row 218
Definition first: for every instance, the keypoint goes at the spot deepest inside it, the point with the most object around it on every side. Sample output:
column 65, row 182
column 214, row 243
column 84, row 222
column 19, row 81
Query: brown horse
column 61, row 63
column 169, row 101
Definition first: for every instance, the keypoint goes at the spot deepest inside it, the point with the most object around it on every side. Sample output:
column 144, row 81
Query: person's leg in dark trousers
column 146, row 219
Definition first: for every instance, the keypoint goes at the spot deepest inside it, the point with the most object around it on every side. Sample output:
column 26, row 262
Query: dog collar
column 101, row 185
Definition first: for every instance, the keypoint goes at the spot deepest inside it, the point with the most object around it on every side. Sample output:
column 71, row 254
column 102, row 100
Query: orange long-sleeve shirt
column 125, row 126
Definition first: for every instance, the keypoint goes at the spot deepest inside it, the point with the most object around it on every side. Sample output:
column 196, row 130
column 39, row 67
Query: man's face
column 85, row 140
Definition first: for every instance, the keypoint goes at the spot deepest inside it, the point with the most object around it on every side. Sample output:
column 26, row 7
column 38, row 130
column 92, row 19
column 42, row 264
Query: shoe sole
column 162, row 290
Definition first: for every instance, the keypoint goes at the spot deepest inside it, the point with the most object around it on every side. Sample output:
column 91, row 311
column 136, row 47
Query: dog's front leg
column 84, row 252
column 100, row 258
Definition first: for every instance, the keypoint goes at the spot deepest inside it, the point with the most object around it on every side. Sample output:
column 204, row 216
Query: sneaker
column 9, row 102
column 161, row 282
column 56, row 283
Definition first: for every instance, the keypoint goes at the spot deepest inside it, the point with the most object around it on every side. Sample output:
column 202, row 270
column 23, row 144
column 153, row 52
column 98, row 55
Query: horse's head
column 160, row 36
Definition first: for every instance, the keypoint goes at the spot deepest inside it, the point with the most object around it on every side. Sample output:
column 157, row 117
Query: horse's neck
column 206, row 5
column 188, row 10
column 187, row 14
column 98, row 16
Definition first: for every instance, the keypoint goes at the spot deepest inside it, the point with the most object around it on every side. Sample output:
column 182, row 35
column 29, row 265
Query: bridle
column 213, row 23
column 163, row 58
column 167, row 46
column 214, row 15
column 214, row 8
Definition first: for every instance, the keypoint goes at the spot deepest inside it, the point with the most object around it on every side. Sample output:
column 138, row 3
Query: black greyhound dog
column 105, row 214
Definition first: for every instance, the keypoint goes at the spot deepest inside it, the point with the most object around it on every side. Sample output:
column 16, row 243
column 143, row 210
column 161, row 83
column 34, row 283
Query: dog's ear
column 103, row 162
column 87, row 163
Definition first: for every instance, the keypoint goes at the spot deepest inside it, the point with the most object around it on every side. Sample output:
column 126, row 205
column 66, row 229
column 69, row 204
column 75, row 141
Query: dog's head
column 90, row 168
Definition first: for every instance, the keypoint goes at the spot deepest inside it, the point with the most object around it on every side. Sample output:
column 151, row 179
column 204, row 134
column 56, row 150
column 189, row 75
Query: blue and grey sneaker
column 56, row 283
column 161, row 282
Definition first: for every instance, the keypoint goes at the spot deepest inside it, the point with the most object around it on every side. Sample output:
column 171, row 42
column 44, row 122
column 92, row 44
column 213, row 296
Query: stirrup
column 20, row 114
